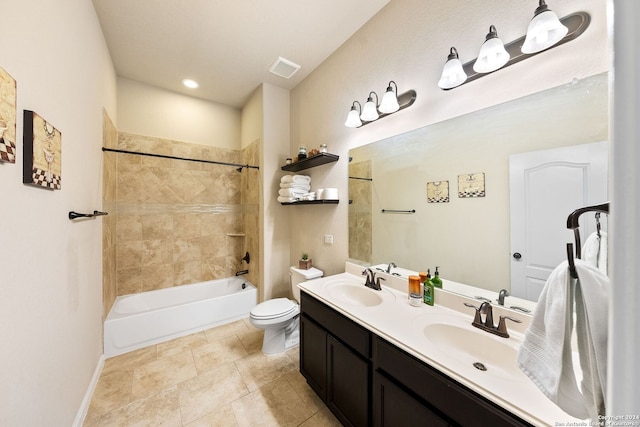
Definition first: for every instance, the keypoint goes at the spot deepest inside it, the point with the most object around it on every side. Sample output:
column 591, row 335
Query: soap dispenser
column 437, row 281
column 429, row 294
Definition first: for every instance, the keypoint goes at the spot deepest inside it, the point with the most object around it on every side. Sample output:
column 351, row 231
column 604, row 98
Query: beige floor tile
column 276, row 404
column 258, row 369
column 218, row 353
column 294, row 355
column 160, row 409
column 159, row 374
column 227, row 330
column 224, row 417
column 252, row 340
column 210, row 391
column 324, row 418
column 130, row 360
column 306, row 393
column 178, row 345
column 112, row 391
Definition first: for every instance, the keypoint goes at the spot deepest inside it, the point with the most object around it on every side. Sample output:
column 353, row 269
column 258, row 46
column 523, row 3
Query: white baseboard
column 86, row 401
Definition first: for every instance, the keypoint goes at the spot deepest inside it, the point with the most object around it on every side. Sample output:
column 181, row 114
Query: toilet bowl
column 279, row 317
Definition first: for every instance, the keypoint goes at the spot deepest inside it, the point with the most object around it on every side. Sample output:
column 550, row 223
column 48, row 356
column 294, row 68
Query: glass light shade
column 545, row 30
column 453, row 74
column 353, row 118
column 492, row 54
column 389, row 103
column 369, row 111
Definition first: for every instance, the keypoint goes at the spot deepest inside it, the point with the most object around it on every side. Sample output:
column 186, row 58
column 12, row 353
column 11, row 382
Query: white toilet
column 279, row 316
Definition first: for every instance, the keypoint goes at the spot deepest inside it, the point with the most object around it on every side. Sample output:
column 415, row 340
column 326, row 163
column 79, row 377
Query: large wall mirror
column 400, row 210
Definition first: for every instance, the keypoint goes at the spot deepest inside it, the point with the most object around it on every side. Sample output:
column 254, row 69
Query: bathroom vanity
column 376, row 360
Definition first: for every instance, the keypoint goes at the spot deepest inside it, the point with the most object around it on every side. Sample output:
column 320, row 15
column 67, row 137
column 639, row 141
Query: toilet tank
column 299, row 275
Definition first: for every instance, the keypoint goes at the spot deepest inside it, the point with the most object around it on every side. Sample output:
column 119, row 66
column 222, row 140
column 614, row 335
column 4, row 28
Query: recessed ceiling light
column 192, row 84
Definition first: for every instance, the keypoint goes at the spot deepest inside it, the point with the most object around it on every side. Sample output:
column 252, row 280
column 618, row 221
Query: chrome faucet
column 503, row 293
column 487, row 325
column 371, row 281
column 391, row 264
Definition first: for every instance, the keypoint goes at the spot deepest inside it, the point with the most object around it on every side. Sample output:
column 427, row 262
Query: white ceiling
column 227, row 46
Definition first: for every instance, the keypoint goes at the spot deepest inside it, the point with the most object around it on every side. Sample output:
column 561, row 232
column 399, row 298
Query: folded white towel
column 595, row 251
column 283, row 199
column 305, row 187
column 546, row 354
column 296, row 179
column 292, row 192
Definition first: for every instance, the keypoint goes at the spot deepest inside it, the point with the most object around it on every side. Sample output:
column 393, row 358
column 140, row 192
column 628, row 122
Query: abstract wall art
column 8, row 91
column 42, row 165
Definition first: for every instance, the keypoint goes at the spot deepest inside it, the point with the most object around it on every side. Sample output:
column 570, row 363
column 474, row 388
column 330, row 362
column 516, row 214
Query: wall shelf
column 313, row 202
column 310, row 162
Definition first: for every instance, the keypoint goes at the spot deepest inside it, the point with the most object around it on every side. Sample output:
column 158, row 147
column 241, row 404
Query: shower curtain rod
column 238, row 165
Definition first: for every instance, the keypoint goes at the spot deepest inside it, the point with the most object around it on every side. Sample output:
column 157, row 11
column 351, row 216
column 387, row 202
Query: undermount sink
column 356, row 294
column 473, row 348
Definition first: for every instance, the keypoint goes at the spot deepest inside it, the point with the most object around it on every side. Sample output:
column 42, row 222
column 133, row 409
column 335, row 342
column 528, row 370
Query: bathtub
column 147, row 318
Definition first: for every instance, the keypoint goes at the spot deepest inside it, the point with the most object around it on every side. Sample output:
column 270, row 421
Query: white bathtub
column 147, row 318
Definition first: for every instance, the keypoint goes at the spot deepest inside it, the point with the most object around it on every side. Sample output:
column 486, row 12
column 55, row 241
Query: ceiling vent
column 284, row 68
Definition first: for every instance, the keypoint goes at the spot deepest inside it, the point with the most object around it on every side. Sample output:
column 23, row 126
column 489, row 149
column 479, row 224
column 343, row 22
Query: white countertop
column 403, row 325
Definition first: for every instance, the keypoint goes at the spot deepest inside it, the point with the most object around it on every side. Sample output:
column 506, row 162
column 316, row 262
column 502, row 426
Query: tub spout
column 241, row 272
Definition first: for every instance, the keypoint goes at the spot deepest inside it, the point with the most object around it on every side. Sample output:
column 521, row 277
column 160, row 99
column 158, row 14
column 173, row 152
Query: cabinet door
column 348, row 381
column 394, row 407
column 313, row 355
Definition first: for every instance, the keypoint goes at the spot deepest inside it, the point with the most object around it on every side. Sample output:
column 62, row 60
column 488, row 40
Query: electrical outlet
column 328, row 239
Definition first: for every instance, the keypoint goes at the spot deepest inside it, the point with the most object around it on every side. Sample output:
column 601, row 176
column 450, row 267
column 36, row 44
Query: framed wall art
column 438, row 192
column 8, row 111
column 42, row 165
column 471, row 185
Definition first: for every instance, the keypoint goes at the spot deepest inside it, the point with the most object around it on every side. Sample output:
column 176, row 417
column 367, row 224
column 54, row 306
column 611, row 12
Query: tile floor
column 218, row 377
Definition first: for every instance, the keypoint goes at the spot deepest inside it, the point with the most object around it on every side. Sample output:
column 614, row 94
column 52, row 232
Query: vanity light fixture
column 545, row 30
column 353, row 118
column 518, row 50
column 492, row 54
column 389, row 103
column 370, row 109
column 453, row 74
column 191, row 84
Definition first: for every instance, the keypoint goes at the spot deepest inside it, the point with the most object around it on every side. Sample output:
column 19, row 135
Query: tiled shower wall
column 250, row 196
column 109, row 286
column 360, row 220
column 175, row 219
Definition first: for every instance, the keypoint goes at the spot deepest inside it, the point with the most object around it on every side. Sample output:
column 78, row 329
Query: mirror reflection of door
column 545, row 187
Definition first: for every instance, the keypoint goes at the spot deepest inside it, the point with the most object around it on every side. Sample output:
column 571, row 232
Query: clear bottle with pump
column 437, row 281
column 414, row 291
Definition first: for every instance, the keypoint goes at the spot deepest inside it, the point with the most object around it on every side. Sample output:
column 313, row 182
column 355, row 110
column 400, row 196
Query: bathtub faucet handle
column 246, row 258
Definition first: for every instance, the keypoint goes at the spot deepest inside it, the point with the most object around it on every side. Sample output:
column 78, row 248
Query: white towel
column 305, row 187
column 546, row 354
column 292, row 192
column 595, row 251
column 283, row 199
column 296, row 179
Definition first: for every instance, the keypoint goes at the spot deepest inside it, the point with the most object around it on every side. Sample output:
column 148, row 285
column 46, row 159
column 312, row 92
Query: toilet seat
column 274, row 311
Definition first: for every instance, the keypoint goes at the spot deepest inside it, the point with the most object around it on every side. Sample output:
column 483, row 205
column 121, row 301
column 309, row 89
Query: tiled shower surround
column 176, row 221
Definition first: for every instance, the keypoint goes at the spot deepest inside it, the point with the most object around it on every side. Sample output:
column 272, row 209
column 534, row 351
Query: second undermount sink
column 354, row 293
column 473, row 348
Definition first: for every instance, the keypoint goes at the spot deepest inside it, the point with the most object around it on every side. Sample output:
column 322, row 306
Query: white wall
column 408, row 42
column 50, row 268
column 151, row 111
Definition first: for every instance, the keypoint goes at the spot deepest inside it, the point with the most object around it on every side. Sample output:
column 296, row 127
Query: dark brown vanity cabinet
column 367, row 381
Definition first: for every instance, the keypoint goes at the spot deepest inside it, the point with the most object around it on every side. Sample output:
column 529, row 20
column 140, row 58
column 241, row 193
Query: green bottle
column 429, row 294
column 437, row 281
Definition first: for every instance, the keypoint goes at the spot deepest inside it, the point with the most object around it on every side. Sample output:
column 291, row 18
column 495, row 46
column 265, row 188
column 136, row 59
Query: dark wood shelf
column 313, row 202
column 310, row 162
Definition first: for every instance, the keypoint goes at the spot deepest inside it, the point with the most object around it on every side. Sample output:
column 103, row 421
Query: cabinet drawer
column 463, row 406
column 346, row 330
